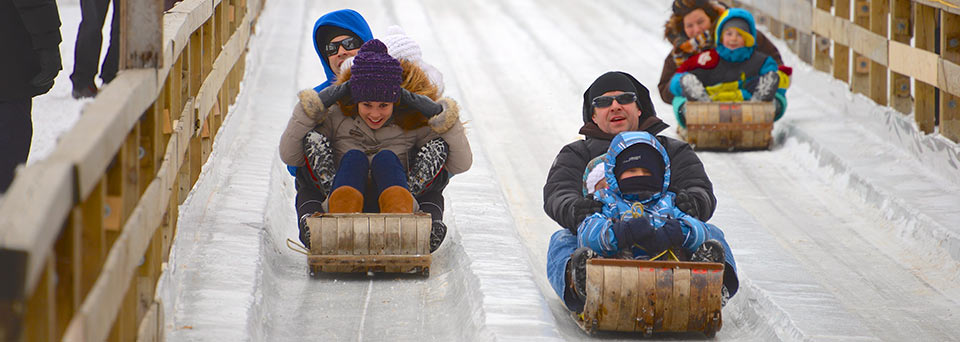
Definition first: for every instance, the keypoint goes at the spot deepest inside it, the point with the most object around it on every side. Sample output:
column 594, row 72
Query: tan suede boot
column 345, row 199
column 396, row 199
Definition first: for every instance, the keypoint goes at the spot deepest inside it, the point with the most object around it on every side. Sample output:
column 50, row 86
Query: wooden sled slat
column 728, row 125
column 362, row 242
column 652, row 296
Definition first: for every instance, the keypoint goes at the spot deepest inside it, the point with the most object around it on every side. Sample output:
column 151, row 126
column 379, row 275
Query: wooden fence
column 84, row 234
column 883, row 61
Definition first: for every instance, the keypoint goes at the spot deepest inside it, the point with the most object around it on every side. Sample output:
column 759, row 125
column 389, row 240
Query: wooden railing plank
column 27, row 229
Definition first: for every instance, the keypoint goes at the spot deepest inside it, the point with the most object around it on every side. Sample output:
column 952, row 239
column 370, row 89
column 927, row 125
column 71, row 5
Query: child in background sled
column 733, row 71
column 372, row 124
column 639, row 219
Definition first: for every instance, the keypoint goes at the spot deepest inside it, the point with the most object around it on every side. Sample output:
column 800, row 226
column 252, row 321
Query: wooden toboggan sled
column 652, row 296
column 728, row 125
column 362, row 242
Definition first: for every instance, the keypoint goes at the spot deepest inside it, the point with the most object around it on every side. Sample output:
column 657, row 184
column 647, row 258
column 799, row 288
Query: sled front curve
column 728, row 125
column 370, row 242
column 652, row 296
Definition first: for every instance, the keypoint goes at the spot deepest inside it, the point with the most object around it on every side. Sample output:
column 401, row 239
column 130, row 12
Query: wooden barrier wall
column 875, row 58
column 84, row 234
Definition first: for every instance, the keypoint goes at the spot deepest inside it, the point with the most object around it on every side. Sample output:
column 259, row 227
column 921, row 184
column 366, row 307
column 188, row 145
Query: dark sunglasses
column 606, row 101
column 350, row 43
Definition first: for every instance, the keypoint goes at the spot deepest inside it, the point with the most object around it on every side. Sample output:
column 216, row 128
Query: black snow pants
column 16, row 130
column 89, row 39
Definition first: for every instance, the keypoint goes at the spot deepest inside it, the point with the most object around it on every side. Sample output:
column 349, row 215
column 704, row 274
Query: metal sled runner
column 394, row 243
column 728, row 125
column 652, row 296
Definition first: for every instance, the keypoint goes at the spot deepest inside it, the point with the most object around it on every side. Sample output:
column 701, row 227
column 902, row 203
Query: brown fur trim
column 311, row 103
column 416, row 81
column 447, row 118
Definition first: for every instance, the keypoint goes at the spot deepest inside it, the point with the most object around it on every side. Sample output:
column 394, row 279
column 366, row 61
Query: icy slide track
column 817, row 261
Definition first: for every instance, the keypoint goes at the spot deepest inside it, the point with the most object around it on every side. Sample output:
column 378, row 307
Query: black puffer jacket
column 565, row 179
column 24, row 27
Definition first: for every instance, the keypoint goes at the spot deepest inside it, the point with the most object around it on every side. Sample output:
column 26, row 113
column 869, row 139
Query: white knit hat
column 401, row 46
column 594, row 177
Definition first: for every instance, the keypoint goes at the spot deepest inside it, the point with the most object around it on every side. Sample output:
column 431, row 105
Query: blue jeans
column 562, row 245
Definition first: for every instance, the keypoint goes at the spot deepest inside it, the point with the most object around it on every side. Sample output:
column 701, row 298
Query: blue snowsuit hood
column 347, row 19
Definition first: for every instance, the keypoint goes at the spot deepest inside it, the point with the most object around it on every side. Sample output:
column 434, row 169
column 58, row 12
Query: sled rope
column 672, row 256
column 297, row 247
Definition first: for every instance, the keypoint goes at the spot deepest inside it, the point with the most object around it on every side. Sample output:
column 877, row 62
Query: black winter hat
column 613, row 81
column 640, row 155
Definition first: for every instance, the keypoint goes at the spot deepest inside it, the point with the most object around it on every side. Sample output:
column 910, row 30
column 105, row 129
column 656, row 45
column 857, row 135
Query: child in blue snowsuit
column 638, row 221
column 733, row 71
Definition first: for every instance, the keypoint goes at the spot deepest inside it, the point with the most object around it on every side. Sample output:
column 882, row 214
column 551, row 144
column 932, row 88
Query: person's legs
column 111, row 61
column 427, row 165
column 87, row 49
column 431, row 202
column 561, row 247
column 309, row 201
column 16, row 130
column 391, row 181
column 349, row 183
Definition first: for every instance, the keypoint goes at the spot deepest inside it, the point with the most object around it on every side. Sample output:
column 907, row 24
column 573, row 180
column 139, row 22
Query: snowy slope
column 846, row 229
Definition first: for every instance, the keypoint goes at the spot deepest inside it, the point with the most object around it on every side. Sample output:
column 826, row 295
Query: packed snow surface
column 845, row 230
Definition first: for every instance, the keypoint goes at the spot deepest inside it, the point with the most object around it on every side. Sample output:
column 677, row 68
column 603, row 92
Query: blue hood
column 739, row 54
column 620, row 143
column 347, row 19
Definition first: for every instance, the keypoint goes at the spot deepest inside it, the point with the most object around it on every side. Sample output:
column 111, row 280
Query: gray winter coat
column 351, row 133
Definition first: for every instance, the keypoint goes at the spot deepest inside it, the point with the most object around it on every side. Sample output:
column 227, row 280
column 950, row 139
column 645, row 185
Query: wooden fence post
column 878, row 72
column 841, row 53
column 821, row 54
column 925, row 38
column 950, row 51
column 901, row 31
column 860, row 77
column 141, row 33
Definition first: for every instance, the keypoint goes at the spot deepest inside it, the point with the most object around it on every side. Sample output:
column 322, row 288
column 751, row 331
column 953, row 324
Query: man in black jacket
column 563, row 198
column 30, row 37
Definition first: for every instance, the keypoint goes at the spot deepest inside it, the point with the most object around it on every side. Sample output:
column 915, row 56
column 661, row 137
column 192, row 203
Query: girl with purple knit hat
column 373, row 123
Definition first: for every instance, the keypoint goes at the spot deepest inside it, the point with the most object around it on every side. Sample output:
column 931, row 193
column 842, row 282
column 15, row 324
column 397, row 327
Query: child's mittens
column 704, row 60
column 767, row 85
column 693, row 89
column 634, row 231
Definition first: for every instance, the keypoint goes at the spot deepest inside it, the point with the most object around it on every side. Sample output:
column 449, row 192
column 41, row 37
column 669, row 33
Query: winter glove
column 669, row 236
column 420, row 103
column 766, row 87
column 334, row 93
column 49, row 67
column 687, row 204
column 704, row 60
column 584, row 207
column 632, row 231
column 693, row 89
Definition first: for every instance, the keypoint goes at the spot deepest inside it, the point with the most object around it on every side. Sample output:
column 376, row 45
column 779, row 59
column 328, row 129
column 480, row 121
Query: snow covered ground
column 846, row 229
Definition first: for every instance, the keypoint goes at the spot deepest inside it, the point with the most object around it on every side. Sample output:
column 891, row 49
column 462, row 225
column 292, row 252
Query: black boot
column 577, row 272
column 437, row 233
column 710, row 251
column 427, row 165
column 319, row 160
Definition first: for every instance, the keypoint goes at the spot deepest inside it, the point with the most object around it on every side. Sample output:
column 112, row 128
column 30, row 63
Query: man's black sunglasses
column 606, row 101
column 350, row 43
